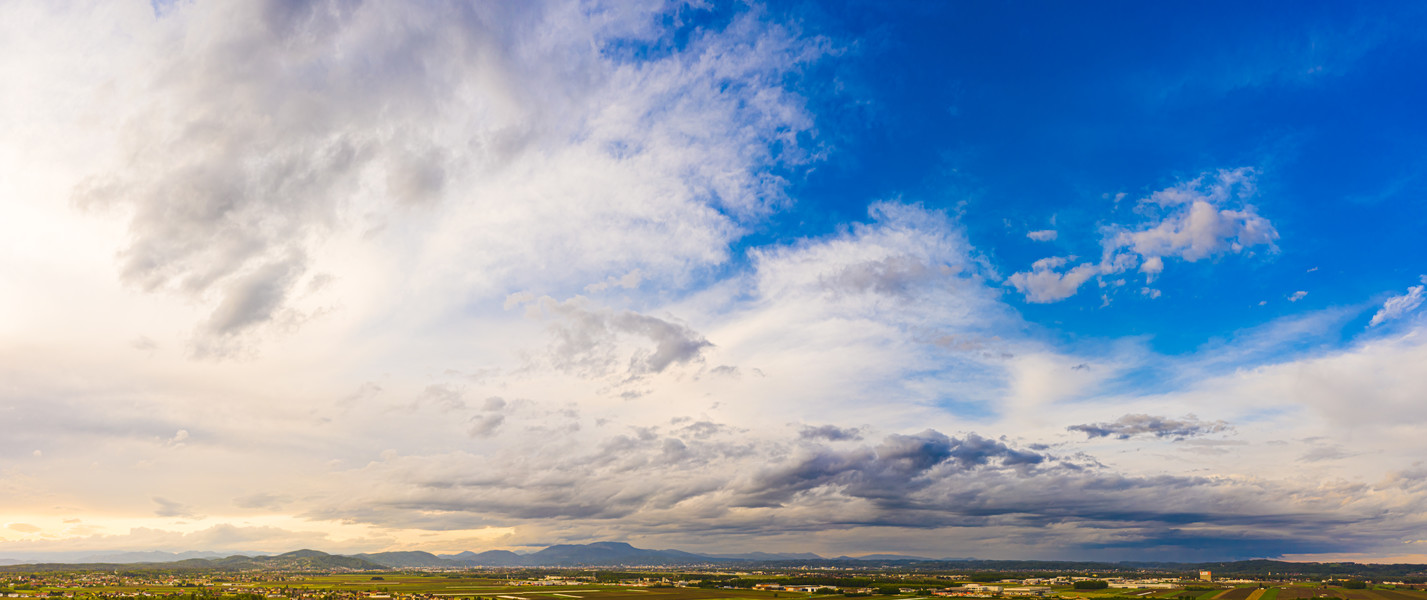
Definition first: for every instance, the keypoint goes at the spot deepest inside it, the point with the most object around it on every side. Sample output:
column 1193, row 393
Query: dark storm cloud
column 1134, row 425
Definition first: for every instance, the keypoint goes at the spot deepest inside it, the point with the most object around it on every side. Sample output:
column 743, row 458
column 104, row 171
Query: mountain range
column 561, row 555
column 620, row 554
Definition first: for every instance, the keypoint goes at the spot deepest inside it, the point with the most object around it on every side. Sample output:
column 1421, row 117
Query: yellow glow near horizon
column 266, row 533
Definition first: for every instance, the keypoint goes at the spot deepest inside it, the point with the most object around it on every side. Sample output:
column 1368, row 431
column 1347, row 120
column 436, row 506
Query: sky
column 1019, row 280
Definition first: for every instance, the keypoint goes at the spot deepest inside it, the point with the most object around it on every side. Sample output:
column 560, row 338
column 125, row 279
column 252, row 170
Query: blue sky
column 1018, row 115
column 1005, row 280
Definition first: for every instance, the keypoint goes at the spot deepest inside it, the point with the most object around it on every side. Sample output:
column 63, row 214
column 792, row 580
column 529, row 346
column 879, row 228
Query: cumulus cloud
column 302, row 122
column 1135, row 425
column 1044, row 283
column 1202, row 218
column 1298, row 295
column 179, row 438
column 590, row 340
column 485, row 425
column 1397, row 306
column 1044, row 235
column 1196, row 226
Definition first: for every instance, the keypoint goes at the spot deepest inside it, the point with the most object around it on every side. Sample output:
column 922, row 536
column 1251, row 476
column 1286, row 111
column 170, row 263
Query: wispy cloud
column 1398, row 306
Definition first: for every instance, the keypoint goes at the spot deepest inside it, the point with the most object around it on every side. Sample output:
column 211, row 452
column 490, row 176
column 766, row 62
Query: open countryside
column 139, row 581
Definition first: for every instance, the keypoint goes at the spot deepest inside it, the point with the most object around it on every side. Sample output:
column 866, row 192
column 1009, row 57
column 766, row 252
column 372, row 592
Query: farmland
column 353, row 587
column 586, row 584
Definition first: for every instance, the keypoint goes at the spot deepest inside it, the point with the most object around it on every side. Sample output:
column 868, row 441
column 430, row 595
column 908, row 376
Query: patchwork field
column 1238, row 593
column 1305, row 592
column 439, row 587
column 1288, row 592
column 486, row 587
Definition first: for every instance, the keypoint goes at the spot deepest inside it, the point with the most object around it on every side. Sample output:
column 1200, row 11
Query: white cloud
column 179, row 438
column 1191, row 221
column 450, row 130
column 1044, row 235
column 1044, row 284
column 1298, row 295
column 1397, row 306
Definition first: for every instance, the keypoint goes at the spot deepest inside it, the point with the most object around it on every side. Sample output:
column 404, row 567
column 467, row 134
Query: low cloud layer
column 1130, row 426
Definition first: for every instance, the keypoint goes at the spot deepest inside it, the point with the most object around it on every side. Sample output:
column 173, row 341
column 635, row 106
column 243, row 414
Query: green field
column 402, row 585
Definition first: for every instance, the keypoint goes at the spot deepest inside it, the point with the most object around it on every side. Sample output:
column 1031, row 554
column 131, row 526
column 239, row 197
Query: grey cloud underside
column 888, row 474
column 262, row 500
column 589, row 340
column 654, row 482
column 831, row 433
column 1139, row 425
column 253, row 298
column 169, row 508
column 894, row 275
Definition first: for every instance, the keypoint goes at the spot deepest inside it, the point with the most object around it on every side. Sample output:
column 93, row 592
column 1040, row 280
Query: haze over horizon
column 1108, row 281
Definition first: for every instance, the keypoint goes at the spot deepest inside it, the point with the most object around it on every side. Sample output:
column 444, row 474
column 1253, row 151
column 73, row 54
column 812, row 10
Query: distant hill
column 892, row 557
column 620, row 554
column 766, row 556
column 611, row 554
column 489, row 558
column 313, row 560
column 406, row 559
